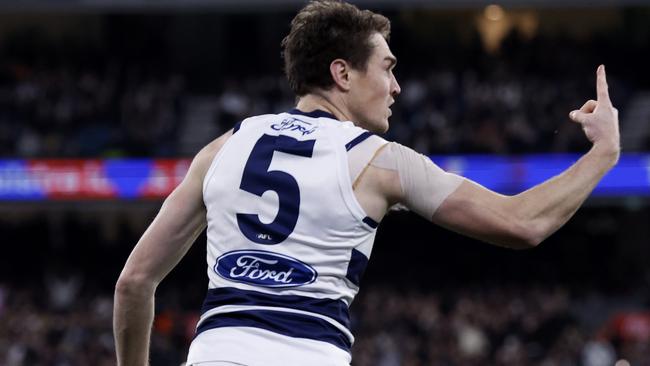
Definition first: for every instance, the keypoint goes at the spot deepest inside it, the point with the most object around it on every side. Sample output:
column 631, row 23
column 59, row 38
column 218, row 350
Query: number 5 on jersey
column 258, row 179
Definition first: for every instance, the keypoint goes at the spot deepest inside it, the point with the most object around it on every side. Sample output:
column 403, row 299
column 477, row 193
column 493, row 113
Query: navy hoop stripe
column 313, row 114
column 335, row 309
column 357, row 140
column 289, row 324
column 356, row 267
column 370, row 222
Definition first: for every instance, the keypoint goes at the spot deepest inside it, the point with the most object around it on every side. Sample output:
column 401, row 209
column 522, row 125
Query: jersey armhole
column 364, row 148
column 378, row 151
column 361, row 153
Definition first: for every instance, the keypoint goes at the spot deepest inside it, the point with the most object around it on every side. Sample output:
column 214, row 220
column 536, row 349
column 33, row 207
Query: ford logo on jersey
column 262, row 268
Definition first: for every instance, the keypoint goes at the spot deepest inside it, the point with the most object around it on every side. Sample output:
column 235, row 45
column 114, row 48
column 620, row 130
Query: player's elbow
column 532, row 240
column 134, row 285
column 515, row 235
column 526, row 235
column 520, row 243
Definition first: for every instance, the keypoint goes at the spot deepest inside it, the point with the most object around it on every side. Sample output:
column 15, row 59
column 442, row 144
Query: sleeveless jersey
column 287, row 239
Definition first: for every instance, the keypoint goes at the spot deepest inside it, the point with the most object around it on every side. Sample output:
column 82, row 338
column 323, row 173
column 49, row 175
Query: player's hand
column 599, row 118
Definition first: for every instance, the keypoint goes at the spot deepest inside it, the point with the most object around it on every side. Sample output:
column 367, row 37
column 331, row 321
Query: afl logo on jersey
column 262, row 268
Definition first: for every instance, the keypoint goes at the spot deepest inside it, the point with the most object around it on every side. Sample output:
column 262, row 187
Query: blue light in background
column 504, row 174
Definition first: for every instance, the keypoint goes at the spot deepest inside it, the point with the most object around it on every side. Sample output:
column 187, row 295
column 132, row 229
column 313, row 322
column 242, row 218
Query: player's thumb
column 577, row 116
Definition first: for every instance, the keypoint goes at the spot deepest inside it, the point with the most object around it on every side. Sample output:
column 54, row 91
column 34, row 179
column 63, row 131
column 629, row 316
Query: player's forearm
column 132, row 319
column 548, row 206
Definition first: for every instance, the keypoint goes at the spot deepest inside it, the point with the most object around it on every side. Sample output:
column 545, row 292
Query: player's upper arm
column 421, row 185
column 452, row 201
column 180, row 220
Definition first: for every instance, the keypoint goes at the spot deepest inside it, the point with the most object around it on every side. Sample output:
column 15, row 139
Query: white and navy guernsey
column 287, row 239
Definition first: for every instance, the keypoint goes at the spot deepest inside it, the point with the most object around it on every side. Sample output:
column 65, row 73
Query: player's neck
column 312, row 102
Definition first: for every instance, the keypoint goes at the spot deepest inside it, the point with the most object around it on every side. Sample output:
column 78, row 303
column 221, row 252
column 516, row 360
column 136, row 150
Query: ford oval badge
column 262, row 268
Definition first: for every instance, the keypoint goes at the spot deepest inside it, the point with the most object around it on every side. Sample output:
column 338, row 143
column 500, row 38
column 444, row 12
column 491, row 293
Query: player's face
column 373, row 91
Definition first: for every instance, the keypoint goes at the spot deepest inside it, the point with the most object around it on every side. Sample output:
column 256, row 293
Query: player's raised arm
column 528, row 218
column 180, row 220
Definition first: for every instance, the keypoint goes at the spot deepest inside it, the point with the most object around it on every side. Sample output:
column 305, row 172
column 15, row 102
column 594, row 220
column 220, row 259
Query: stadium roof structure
column 271, row 5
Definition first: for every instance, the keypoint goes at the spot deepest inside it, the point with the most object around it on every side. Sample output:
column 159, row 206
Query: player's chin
column 379, row 127
column 385, row 123
column 384, row 126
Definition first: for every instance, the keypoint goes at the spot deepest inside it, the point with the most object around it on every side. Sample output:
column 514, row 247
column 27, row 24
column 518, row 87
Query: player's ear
column 340, row 71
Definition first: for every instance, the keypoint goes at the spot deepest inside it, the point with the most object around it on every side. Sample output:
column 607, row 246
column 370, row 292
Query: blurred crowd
column 488, row 326
column 472, row 102
column 59, row 113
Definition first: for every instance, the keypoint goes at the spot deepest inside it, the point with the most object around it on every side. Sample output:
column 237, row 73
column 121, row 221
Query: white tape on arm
column 424, row 184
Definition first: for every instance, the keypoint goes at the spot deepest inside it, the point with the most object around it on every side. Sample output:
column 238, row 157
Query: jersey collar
column 313, row 114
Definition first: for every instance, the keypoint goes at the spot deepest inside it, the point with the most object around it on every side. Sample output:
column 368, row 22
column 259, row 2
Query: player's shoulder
column 355, row 137
column 205, row 156
column 203, row 159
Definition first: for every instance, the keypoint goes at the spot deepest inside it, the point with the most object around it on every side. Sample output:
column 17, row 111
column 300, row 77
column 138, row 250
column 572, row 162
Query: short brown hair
column 323, row 31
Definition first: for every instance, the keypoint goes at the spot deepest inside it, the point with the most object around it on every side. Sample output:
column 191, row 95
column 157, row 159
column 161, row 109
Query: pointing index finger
column 601, row 86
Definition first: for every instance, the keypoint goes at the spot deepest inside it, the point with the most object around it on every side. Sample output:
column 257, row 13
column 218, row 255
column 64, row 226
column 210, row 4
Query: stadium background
column 112, row 81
